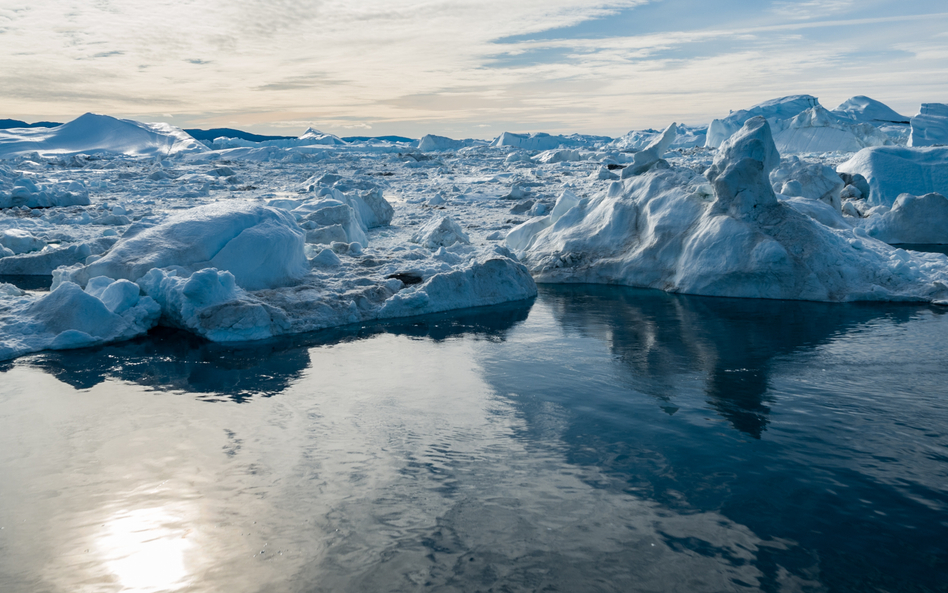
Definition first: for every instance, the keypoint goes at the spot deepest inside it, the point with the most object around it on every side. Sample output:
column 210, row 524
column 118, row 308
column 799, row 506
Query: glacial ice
column 664, row 230
column 893, row 170
column 774, row 109
column 93, row 133
column 930, row 126
column 267, row 239
column 912, row 219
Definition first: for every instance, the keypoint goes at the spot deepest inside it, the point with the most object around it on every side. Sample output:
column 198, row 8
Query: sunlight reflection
column 147, row 549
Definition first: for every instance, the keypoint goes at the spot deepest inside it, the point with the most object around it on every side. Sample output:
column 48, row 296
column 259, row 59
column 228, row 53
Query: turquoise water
column 597, row 439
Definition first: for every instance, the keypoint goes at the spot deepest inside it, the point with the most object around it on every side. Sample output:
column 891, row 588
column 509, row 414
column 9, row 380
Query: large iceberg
column 93, row 133
column 893, row 170
column 818, row 130
column 544, row 141
column 261, row 246
column 863, row 110
column 669, row 229
column 930, row 126
column 774, row 109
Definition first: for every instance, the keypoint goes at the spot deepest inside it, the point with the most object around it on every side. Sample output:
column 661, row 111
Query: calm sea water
column 597, row 439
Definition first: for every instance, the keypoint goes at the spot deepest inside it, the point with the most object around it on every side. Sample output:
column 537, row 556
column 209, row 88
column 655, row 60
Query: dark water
column 599, row 439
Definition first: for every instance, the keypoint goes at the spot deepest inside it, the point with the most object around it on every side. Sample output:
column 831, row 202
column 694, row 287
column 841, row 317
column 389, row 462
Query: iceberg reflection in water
column 599, row 439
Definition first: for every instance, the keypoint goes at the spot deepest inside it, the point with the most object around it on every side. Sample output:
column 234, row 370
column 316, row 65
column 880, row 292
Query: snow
column 930, row 126
column 262, row 240
column 663, row 230
column 93, row 133
column 893, row 170
column 913, row 219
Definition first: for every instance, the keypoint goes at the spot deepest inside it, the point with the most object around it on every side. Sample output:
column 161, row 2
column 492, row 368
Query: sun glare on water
column 147, row 550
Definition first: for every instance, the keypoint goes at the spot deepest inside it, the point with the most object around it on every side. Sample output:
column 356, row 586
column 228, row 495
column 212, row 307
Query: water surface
column 598, row 439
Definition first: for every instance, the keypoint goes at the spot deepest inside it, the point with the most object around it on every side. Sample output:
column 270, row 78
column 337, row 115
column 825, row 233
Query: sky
column 464, row 68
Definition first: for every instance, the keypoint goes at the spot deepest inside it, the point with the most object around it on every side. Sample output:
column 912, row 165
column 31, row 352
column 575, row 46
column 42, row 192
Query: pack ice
column 138, row 224
column 724, row 233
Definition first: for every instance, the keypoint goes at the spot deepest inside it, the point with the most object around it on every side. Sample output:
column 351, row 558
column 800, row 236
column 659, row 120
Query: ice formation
column 669, row 229
column 818, row 130
column 930, row 126
column 136, row 225
column 893, row 170
column 775, row 109
column 92, row 133
column 913, row 219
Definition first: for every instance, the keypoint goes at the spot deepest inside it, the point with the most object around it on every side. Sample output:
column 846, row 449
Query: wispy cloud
column 438, row 65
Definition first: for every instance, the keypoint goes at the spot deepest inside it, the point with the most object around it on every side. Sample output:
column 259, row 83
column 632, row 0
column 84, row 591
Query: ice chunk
column 921, row 219
column 686, row 137
column 20, row 241
column 814, row 181
column 893, row 170
column 261, row 246
column 210, row 304
column 440, row 232
column 862, row 109
column 432, row 143
column 68, row 317
column 652, row 154
column 930, row 126
column 543, row 141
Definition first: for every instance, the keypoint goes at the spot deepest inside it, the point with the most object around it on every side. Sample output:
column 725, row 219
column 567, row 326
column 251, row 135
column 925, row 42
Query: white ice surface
column 658, row 228
column 662, row 230
column 862, row 109
column 818, row 130
column 930, row 126
column 913, row 219
column 93, row 133
column 894, row 170
column 773, row 110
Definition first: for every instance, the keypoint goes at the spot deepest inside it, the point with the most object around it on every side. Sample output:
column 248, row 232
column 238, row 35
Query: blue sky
column 461, row 68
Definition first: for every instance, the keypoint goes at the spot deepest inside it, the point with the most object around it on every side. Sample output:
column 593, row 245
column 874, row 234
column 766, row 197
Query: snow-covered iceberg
column 863, row 110
column 818, row 130
column 261, row 246
column 686, row 137
column 930, row 126
column 893, row 170
column 774, row 109
column 544, row 141
column 723, row 234
column 93, row 133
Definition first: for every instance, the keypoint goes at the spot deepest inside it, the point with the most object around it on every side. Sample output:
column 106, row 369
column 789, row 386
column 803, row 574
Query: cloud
column 456, row 64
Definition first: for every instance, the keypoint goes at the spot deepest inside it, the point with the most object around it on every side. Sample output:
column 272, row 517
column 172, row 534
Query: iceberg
column 543, row 141
column 863, row 110
column 930, row 126
column 890, row 171
column 93, row 133
column 818, row 130
column 774, row 109
column 667, row 229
